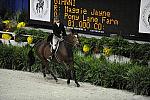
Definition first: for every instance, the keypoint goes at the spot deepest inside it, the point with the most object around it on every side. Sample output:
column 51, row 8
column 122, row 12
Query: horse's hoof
column 78, row 85
column 68, row 82
column 44, row 75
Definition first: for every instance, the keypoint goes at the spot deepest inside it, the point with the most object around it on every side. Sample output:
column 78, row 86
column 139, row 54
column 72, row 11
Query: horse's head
column 73, row 39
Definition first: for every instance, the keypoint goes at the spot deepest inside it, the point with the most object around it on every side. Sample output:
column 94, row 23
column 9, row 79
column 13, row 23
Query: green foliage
column 127, row 76
column 14, row 18
column 37, row 35
column 12, row 57
column 119, row 46
column 113, row 75
column 18, row 16
column 23, row 16
column 134, row 77
column 139, row 53
column 138, row 79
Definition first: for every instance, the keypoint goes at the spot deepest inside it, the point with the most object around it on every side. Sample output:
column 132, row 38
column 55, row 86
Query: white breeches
column 55, row 40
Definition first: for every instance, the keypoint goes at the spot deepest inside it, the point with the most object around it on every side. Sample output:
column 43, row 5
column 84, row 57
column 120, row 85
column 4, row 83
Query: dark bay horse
column 63, row 55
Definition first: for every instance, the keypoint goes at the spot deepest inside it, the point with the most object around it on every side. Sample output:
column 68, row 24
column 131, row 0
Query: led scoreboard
column 128, row 18
column 99, row 16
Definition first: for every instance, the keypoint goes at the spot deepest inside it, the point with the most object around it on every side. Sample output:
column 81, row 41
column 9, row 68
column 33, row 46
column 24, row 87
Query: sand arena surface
column 19, row 85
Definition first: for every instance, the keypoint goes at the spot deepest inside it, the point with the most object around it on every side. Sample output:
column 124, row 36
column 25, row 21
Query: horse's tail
column 31, row 57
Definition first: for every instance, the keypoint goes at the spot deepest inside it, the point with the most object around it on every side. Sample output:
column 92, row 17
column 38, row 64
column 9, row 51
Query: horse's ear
column 73, row 31
column 68, row 31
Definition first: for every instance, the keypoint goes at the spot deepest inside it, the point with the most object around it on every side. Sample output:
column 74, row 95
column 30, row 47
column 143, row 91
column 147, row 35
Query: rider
column 58, row 33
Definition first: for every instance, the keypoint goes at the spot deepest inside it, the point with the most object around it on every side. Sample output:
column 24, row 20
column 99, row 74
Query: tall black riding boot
column 53, row 53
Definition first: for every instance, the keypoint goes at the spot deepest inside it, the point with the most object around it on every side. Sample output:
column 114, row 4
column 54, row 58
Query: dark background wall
column 126, row 11
column 13, row 6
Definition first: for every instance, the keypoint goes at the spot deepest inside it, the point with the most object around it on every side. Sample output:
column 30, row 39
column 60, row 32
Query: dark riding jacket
column 58, row 30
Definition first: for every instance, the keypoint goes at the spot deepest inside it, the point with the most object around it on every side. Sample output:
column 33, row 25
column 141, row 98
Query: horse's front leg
column 74, row 76
column 53, row 75
column 72, row 68
column 69, row 76
column 43, row 70
column 50, row 71
column 68, row 71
